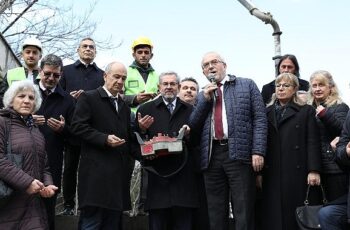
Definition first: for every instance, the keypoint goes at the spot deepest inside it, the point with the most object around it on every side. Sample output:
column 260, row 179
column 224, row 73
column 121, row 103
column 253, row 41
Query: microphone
column 211, row 78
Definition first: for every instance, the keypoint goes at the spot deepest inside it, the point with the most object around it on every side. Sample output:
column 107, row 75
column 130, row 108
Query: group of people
column 80, row 122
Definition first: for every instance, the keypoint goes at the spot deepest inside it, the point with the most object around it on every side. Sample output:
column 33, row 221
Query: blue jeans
column 96, row 218
column 333, row 217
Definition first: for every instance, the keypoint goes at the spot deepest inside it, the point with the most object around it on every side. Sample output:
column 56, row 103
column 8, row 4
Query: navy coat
column 57, row 103
column 246, row 119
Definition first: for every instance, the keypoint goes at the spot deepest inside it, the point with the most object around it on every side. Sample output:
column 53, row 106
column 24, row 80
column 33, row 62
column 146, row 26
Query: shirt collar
column 173, row 102
column 109, row 93
column 44, row 89
column 226, row 78
column 86, row 64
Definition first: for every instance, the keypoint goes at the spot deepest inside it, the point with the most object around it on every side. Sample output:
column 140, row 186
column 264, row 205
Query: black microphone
column 211, row 78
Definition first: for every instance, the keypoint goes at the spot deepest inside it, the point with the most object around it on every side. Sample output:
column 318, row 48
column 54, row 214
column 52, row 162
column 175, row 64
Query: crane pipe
column 268, row 19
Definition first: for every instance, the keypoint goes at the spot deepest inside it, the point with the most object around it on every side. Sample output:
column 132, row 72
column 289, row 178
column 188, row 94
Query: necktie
column 170, row 107
column 114, row 101
column 47, row 92
column 219, row 130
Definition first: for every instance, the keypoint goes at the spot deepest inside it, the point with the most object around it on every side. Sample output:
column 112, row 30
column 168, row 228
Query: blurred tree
column 58, row 27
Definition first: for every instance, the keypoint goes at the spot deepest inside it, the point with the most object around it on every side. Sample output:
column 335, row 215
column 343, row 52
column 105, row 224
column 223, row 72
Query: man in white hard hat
column 31, row 54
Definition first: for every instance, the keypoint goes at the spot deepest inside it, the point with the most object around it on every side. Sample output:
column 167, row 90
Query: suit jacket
column 103, row 170
column 179, row 190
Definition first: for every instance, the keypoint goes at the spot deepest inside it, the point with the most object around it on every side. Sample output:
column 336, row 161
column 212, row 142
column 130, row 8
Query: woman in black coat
column 293, row 155
column 331, row 114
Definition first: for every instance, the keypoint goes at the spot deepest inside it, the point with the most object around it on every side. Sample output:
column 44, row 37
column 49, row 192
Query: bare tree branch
column 58, row 27
column 5, row 4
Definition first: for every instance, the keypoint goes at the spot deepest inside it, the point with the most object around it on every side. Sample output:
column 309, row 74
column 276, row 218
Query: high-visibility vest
column 134, row 82
column 17, row 74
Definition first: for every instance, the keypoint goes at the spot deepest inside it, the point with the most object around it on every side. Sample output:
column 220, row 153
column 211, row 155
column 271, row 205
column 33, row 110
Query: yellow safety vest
column 134, row 83
column 17, row 74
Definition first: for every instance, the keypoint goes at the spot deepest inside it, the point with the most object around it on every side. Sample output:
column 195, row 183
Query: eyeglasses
column 85, row 46
column 211, row 63
column 283, row 86
column 49, row 74
column 172, row 84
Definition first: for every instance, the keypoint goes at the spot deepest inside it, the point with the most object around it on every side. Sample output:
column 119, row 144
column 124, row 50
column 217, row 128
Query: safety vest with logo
column 134, row 83
column 17, row 74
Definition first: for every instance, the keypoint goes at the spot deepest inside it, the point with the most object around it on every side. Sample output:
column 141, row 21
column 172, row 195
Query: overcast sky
column 316, row 31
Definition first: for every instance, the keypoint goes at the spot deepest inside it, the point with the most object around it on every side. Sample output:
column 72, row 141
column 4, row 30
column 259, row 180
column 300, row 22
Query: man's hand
column 114, row 141
column 348, row 149
column 48, row 191
column 144, row 122
column 313, row 178
column 187, row 129
column 334, row 143
column 209, row 89
column 257, row 162
column 39, row 119
column 56, row 125
column 143, row 97
column 76, row 93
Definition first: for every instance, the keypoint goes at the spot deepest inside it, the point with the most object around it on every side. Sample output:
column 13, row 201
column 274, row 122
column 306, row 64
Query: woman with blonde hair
column 330, row 114
column 293, row 155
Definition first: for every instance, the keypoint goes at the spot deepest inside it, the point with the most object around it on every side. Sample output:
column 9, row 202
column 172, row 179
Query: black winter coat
column 57, row 103
column 293, row 150
column 103, row 170
column 179, row 190
column 343, row 159
column 330, row 124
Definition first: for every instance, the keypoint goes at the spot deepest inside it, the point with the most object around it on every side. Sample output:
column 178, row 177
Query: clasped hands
column 38, row 187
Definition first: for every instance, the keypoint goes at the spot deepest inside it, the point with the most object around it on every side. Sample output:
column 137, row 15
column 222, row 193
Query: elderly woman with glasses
column 293, row 157
column 32, row 182
column 331, row 114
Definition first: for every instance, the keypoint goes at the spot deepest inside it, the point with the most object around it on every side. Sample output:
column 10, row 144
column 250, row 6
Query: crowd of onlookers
column 230, row 148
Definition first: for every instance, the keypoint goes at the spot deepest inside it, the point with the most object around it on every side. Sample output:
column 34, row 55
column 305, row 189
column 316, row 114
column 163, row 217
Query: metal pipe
column 268, row 19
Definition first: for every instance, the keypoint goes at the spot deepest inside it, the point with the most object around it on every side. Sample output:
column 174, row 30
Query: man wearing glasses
column 170, row 200
column 231, row 115
column 53, row 119
column 76, row 78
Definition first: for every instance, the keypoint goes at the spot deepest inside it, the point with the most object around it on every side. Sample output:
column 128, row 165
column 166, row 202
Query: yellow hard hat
column 141, row 41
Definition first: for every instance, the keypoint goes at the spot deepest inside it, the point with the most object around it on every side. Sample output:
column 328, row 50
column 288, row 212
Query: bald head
column 115, row 76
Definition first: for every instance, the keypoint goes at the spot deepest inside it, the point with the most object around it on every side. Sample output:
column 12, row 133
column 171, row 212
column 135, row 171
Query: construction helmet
column 31, row 41
column 141, row 41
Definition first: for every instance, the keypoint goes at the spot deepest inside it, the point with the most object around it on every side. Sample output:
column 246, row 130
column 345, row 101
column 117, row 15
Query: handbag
column 307, row 215
column 6, row 192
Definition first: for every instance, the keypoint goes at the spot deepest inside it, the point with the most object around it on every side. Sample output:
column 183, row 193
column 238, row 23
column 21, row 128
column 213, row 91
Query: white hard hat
column 31, row 41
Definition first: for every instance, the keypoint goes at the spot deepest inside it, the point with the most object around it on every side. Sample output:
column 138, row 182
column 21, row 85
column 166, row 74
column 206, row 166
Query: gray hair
column 169, row 73
column 51, row 60
column 20, row 86
column 218, row 56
